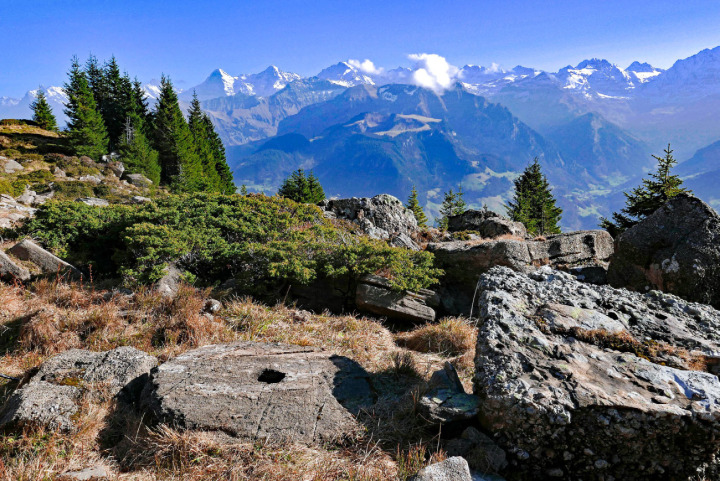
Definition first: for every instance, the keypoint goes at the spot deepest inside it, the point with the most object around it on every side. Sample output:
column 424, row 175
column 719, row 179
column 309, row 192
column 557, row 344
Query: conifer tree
column 649, row 196
column 302, row 188
column 414, row 205
column 453, row 204
column 42, row 112
column 116, row 101
column 459, row 206
column 226, row 183
column 135, row 150
column 181, row 167
column 86, row 130
column 96, row 80
column 533, row 203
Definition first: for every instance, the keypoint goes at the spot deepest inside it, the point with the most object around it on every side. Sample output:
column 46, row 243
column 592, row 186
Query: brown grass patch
column 452, row 336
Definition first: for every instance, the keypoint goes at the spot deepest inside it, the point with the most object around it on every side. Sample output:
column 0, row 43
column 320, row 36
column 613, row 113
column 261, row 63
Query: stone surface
column 27, row 197
column 375, row 296
column 260, row 391
column 464, row 261
column 138, row 199
column 93, row 201
column 452, row 469
column 380, row 217
column 27, row 250
column 446, row 401
column 138, row 180
column 93, row 179
column 11, row 166
column 93, row 473
column 480, row 452
column 589, row 382
column 487, row 223
column 12, row 211
column 676, row 249
column 51, row 396
column 169, row 284
column 116, row 168
column 10, row 270
column 212, row 306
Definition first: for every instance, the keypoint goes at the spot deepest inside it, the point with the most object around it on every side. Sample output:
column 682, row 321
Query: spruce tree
column 414, row 205
column 302, row 188
column 459, row 206
column 96, row 80
column 135, row 150
column 447, row 209
column 649, row 196
column 86, row 130
column 116, row 102
column 201, row 143
column 181, row 167
column 42, row 112
column 226, row 183
column 533, row 203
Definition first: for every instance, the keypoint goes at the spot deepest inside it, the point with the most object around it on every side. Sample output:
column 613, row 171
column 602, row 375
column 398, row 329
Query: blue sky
column 188, row 39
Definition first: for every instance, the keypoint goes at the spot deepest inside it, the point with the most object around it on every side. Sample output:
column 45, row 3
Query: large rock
column 676, row 249
column 487, row 223
column 446, row 400
column 464, row 261
column 51, row 396
column 138, row 180
column 589, row 382
column 27, row 250
column 260, row 391
column 380, row 217
column 93, row 201
column 12, row 211
column 10, row 166
column 452, row 469
column 375, row 296
column 10, row 270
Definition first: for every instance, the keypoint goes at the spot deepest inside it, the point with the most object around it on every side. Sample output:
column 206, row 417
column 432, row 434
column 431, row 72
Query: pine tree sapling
column 649, row 196
column 414, row 205
column 42, row 112
column 533, row 203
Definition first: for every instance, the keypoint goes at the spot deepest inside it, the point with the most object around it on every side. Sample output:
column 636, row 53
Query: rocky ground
column 530, row 359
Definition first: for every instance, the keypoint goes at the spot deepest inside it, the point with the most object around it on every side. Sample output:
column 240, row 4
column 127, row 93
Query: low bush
column 265, row 243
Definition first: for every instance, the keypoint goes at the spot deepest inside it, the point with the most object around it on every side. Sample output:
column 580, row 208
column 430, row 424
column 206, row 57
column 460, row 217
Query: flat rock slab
column 48, row 263
column 452, row 469
column 10, row 270
column 51, row 396
column 374, row 295
column 589, row 382
column 260, row 391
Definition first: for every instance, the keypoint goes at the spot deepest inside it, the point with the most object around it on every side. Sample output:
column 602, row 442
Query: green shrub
column 73, row 189
column 11, row 188
column 18, row 122
column 265, row 243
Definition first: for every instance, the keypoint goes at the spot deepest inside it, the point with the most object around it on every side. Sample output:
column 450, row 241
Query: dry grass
column 48, row 317
column 452, row 336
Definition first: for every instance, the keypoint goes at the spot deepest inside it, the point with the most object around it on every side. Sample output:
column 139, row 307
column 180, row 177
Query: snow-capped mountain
column 20, row 108
column 487, row 80
column 342, row 73
column 220, row 84
column 691, row 78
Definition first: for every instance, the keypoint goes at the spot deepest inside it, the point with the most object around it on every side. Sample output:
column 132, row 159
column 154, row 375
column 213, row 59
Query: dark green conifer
column 181, row 167
column 42, row 112
column 302, row 188
column 649, row 196
column 86, row 130
column 533, row 203
column 453, row 204
column 414, row 205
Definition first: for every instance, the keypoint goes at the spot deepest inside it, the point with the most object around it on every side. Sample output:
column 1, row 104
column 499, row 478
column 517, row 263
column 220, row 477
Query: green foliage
column 302, row 188
column 414, row 205
column 533, row 203
column 134, row 148
column 86, row 129
column 42, row 112
column 266, row 243
column 181, row 166
column 453, row 204
column 649, row 196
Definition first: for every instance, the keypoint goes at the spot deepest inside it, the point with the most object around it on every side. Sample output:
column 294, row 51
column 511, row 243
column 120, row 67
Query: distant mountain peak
column 640, row 67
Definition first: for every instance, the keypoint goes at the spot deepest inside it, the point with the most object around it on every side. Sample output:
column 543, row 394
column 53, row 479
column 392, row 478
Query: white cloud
column 433, row 71
column 366, row 66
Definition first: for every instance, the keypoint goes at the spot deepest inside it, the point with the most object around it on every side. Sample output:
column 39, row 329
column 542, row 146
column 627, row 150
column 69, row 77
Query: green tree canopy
column 414, row 205
column 453, row 204
column 649, row 196
column 42, row 112
column 533, row 203
column 302, row 188
column 86, row 129
column 181, row 166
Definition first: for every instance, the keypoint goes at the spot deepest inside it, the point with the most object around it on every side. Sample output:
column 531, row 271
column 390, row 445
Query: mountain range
column 364, row 129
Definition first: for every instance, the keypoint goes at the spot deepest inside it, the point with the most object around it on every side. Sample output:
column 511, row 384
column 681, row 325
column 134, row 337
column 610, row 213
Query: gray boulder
column 93, row 201
column 116, row 168
column 51, row 396
column 464, row 261
column 375, row 296
column 446, row 401
column 676, row 249
column 93, row 179
column 487, row 223
column 138, row 199
column 380, row 217
column 589, row 382
column 479, row 450
column 260, row 391
column 138, row 180
column 12, row 211
column 10, row 166
column 452, row 469
column 10, row 270
column 169, row 284
column 27, row 197
column 27, row 250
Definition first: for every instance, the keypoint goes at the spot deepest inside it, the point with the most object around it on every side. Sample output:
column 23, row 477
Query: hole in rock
column 271, row 376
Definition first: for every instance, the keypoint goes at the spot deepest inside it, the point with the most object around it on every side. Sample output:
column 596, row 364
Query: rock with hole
column 253, row 391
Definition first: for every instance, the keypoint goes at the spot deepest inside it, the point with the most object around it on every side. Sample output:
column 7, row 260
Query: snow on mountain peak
column 349, row 74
